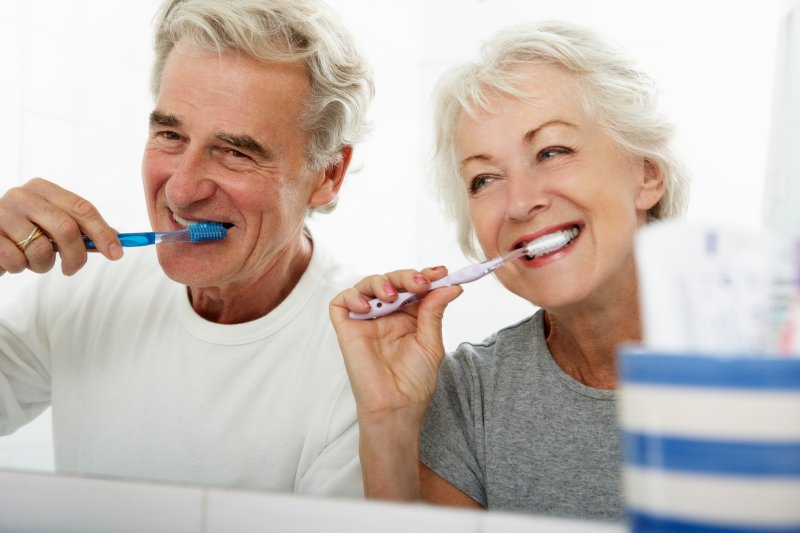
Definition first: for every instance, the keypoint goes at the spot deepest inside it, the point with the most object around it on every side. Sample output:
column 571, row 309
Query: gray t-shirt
column 511, row 429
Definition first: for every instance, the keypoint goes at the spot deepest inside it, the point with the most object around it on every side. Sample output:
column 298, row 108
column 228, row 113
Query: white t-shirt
column 141, row 386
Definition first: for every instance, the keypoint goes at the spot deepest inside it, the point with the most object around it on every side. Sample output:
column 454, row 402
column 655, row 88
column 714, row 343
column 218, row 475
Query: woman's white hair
column 619, row 96
column 341, row 85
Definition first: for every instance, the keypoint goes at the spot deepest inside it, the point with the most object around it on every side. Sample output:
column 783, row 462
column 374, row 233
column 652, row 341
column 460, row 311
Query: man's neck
column 240, row 303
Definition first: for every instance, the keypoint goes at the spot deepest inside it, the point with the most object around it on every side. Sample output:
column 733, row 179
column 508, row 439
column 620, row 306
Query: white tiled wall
column 74, row 99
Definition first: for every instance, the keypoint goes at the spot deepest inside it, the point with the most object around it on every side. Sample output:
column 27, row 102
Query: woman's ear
column 652, row 186
column 332, row 179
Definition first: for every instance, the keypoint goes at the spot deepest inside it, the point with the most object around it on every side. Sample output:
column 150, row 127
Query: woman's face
column 532, row 167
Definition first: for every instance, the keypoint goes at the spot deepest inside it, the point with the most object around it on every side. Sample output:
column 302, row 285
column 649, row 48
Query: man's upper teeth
column 182, row 221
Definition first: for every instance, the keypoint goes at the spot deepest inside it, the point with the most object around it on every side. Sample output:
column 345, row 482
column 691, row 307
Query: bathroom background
column 74, row 101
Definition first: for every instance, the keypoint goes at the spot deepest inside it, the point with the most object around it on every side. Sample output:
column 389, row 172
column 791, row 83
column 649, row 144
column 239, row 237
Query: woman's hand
column 393, row 363
column 62, row 217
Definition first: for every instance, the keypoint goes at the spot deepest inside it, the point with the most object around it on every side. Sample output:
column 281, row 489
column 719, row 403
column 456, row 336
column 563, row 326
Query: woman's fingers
column 387, row 286
column 393, row 361
column 344, row 302
column 431, row 314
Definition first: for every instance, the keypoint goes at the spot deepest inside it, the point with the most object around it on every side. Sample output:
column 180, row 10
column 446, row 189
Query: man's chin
column 186, row 270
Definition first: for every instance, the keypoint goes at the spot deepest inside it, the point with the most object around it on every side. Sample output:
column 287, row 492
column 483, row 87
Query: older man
column 215, row 364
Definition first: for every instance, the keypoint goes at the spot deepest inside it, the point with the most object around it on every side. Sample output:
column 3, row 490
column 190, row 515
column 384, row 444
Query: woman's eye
column 478, row 182
column 553, row 151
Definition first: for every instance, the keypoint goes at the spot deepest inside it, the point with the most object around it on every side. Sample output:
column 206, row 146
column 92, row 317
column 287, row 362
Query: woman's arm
column 389, row 453
column 393, row 365
column 435, row 489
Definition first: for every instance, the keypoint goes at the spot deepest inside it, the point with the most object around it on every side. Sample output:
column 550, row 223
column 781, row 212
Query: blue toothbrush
column 201, row 232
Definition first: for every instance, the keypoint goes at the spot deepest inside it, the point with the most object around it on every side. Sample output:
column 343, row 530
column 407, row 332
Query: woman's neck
column 584, row 343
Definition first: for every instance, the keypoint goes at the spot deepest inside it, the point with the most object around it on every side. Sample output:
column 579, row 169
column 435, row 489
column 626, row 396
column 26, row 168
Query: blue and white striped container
column 712, row 444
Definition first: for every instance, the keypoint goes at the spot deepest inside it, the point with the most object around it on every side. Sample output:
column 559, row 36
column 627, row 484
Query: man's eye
column 235, row 159
column 478, row 182
column 170, row 135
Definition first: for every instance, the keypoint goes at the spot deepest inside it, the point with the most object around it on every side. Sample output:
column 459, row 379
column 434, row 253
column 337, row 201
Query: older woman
column 553, row 129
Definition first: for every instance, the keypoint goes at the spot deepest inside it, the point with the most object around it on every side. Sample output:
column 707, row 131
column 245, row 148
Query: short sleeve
column 451, row 442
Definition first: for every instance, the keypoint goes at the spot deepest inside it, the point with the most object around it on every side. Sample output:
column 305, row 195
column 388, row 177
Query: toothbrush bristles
column 207, row 231
column 548, row 243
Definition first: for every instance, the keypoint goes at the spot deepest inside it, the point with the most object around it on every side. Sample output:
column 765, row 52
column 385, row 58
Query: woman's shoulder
column 502, row 344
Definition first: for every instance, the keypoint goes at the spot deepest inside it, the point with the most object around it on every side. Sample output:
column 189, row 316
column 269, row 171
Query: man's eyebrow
column 245, row 142
column 164, row 119
column 529, row 137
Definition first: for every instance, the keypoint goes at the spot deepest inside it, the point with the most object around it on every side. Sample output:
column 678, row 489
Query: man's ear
column 332, row 179
column 652, row 186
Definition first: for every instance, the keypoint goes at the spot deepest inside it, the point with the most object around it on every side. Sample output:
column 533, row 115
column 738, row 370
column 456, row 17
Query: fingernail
column 115, row 251
column 365, row 302
column 437, row 267
column 389, row 289
column 420, row 280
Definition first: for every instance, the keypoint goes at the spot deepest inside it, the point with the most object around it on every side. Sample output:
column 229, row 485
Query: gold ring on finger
column 35, row 233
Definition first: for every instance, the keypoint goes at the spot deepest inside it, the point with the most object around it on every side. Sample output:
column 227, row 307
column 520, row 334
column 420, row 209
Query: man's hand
column 62, row 218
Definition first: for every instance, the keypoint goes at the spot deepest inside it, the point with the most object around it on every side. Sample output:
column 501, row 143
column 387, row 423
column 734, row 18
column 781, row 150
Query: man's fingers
column 79, row 217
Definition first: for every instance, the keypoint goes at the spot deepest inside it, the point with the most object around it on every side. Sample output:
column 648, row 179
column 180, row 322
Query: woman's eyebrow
column 531, row 135
column 528, row 137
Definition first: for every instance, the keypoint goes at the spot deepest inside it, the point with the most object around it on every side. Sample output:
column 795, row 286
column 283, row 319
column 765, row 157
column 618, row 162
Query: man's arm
column 331, row 466
column 24, row 359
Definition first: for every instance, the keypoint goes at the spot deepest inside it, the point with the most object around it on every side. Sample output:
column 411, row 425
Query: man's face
column 226, row 145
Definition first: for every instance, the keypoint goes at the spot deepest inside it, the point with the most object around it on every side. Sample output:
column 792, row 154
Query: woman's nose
column 526, row 196
column 190, row 180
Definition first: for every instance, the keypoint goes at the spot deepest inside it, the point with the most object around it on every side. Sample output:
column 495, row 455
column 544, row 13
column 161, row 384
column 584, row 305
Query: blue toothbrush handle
column 127, row 239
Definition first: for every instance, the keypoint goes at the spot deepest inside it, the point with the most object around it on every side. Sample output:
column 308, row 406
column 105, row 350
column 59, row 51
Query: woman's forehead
column 542, row 93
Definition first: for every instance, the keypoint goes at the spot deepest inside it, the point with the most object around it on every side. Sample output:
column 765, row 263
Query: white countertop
column 46, row 502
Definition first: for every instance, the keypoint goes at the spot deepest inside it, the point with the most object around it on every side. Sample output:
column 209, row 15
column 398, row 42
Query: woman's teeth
column 552, row 242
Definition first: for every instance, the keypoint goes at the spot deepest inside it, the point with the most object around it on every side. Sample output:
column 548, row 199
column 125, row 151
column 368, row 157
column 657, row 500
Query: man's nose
column 191, row 180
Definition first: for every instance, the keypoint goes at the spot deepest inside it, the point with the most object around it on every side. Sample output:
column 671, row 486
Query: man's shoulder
column 333, row 275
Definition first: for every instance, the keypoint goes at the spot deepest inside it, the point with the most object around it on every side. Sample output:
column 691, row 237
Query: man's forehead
column 210, row 59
